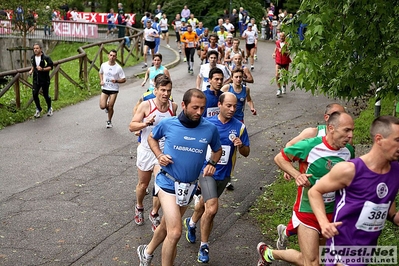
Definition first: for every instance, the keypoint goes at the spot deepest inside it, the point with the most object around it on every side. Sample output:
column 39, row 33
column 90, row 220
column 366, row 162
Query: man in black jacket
column 41, row 66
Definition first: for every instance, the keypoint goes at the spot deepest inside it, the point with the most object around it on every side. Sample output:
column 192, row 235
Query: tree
column 26, row 15
column 349, row 47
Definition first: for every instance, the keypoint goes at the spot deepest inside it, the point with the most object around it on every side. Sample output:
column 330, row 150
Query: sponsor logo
column 382, row 190
column 188, row 138
column 358, row 255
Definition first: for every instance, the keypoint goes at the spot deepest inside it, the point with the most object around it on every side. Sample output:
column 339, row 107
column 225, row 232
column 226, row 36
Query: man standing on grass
column 111, row 74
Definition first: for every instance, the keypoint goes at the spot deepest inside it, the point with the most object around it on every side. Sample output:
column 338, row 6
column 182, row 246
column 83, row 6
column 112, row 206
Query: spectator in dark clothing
column 121, row 24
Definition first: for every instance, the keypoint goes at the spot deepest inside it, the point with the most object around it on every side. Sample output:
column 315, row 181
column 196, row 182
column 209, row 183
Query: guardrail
column 19, row 76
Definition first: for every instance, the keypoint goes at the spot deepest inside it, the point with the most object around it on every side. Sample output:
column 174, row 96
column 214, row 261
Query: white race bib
column 373, row 216
column 183, row 192
column 224, row 159
column 212, row 111
column 329, row 197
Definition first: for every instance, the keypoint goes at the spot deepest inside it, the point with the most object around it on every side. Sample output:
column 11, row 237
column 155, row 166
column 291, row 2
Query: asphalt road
column 67, row 183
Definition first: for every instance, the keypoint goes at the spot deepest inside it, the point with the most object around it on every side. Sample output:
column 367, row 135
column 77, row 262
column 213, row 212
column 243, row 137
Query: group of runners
column 328, row 175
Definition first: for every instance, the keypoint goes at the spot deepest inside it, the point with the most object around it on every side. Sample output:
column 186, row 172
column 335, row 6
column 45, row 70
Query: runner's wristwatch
column 212, row 162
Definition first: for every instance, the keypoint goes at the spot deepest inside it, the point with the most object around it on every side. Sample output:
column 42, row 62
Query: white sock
column 146, row 255
column 204, row 243
column 191, row 223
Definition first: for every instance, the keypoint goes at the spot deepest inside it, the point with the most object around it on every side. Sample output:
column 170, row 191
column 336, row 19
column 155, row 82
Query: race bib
column 329, row 197
column 212, row 111
column 251, row 39
column 373, row 216
column 183, row 192
column 224, row 159
column 190, row 45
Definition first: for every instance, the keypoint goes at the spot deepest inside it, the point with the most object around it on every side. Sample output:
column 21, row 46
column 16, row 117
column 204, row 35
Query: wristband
column 212, row 162
column 159, row 155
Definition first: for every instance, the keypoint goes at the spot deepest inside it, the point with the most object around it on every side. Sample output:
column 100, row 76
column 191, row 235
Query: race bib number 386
column 373, row 216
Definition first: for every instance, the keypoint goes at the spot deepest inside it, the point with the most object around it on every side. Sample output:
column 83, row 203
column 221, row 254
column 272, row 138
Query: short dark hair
column 162, row 80
column 214, row 71
column 113, row 51
column 192, row 93
column 211, row 52
column 383, row 125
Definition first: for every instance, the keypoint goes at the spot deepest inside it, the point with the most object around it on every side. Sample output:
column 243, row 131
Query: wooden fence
column 19, row 76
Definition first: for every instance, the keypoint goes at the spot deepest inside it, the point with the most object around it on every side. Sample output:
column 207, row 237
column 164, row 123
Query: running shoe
column 37, row 114
column 106, row 110
column 145, row 66
column 203, row 254
column 282, row 238
column 190, row 233
column 168, row 45
column 179, row 51
column 262, row 248
column 252, row 68
column 230, row 186
column 279, row 94
column 184, row 59
column 283, row 90
column 50, row 112
column 191, row 72
column 143, row 260
column 155, row 220
column 139, row 217
column 256, row 57
column 109, row 124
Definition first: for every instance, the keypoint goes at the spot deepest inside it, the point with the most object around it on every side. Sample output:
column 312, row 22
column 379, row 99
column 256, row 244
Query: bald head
column 331, row 108
column 227, row 105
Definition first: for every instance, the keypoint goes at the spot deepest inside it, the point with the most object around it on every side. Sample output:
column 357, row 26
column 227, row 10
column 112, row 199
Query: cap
column 183, row 20
column 229, row 36
column 249, row 24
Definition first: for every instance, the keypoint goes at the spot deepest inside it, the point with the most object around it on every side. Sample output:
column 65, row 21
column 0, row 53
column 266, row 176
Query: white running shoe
column 37, row 114
column 282, row 238
column 278, row 93
column 143, row 260
column 109, row 124
column 283, row 90
column 50, row 111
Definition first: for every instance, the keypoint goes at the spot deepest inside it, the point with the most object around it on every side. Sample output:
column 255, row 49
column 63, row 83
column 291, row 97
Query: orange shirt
column 190, row 39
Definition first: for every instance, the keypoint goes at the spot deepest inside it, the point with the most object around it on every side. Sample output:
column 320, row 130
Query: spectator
column 185, row 13
column 158, row 11
column 41, row 67
column 121, row 24
column 233, row 20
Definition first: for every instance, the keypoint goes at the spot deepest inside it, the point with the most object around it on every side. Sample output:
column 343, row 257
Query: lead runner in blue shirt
column 186, row 141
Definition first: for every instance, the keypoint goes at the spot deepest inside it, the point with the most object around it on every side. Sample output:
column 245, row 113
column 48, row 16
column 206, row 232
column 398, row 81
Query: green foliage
column 68, row 93
column 363, row 122
column 349, row 46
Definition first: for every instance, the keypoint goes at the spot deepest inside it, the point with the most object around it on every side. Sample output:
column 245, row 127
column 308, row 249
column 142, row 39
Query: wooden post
column 56, row 83
column 17, row 92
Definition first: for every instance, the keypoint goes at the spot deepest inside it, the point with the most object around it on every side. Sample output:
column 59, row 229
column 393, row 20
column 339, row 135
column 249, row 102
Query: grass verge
column 69, row 94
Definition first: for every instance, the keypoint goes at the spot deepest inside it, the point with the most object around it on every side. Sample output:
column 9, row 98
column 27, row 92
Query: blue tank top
column 153, row 73
column 241, row 98
column 363, row 206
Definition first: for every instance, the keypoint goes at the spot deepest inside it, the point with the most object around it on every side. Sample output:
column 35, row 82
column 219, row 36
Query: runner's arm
column 307, row 133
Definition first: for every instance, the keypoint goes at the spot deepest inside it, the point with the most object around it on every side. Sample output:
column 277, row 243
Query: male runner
column 148, row 114
column 316, row 157
column 186, row 140
column 365, row 189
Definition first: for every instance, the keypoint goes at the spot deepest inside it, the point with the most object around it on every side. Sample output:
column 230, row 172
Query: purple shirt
column 363, row 206
column 185, row 13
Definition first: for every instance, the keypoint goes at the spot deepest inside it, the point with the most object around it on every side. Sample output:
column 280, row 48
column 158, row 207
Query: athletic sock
column 191, row 223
